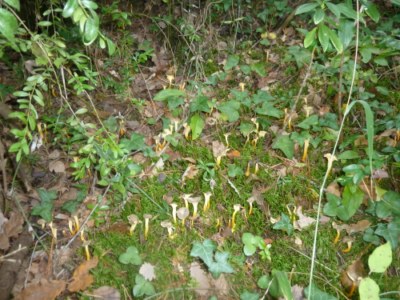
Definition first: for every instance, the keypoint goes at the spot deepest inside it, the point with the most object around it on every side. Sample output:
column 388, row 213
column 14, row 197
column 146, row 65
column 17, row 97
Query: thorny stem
column 321, row 191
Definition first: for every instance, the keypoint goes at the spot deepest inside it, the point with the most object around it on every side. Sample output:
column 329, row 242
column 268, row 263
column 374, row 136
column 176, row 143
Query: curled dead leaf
column 81, row 279
column 43, row 290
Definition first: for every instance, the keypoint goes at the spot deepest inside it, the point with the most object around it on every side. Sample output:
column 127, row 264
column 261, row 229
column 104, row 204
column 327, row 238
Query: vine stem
column 321, row 191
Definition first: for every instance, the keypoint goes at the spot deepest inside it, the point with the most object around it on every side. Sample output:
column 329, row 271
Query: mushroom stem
column 195, row 205
column 349, row 244
column 132, row 228
column 87, row 252
column 256, row 168
column 250, row 208
column 207, row 197
column 337, row 237
column 174, row 206
column 247, row 173
column 305, row 151
column 236, row 208
column 146, row 228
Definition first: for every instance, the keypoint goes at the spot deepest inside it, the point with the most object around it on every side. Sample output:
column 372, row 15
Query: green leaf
column 168, row 94
column 45, row 208
column 259, row 68
column 131, row 256
column 284, row 224
column 346, row 32
column 8, row 24
column 204, row 251
column 250, row 243
column 234, row 170
column 284, row 284
column 380, row 259
column 142, row 287
column 268, row 109
column 351, row 200
column 396, row 2
column 221, row 264
column 285, row 144
column 319, row 16
column 390, row 232
column 373, row 13
column 246, row 295
column 333, row 8
column 304, row 8
column 230, row 109
column 136, row 142
column 231, row 62
column 200, row 103
column 335, row 41
column 310, row 38
column 13, row 4
column 323, row 36
column 110, row 47
column 246, row 128
column 308, row 122
column 197, row 126
column 368, row 289
column 349, row 154
column 91, row 30
column 69, row 8
column 317, row 294
column 347, row 10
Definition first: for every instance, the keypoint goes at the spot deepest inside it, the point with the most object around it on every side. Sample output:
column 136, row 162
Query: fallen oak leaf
column 303, row 221
column 43, row 290
column 107, row 293
column 81, row 279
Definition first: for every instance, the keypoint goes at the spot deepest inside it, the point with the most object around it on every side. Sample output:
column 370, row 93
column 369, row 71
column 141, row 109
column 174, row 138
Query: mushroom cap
column 187, row 196
column 133, row 219
column 147, row 216
column 251, row 199
column 207, row 195
column 182, row 213
column 237, row 207
column 166, row 224
column 194, row 200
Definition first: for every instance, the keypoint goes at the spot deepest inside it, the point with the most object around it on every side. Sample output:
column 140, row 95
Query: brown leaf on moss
column 107, row 292
column 43, row 290
column 10, row 227
column 81, row 279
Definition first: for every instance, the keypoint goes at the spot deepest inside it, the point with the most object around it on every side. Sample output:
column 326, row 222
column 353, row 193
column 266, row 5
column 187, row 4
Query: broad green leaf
column 91, row 30
column 44, row 23
column 284, row 284
column 168, row 94
column 221, row 264
column 230, row 109
column 396, row 2
column 69, row 8
column 284, row 224
column 200, row 103
column 323, row 36
column 78, row 15
column 308, row 122
column 335, row 41
column 268, row 109
column 8, row 24
column 131, row 256
column 333, row 8
column 304, row 8
column 351, row 200
column 246, row 128
column 231, row 62
column 142, row 287
column 346, row 32
column 234, row 170
column 368, row 289
column 13, row 3
column 45, row 208
column 310, row 38
column 246, row 295
column 319, row 16
column 110, row 46
column 136, row 142
column 264, row 282
column 390, row 232
column 197, row 126
column 204, row 251
column 373, row 13
column 259, row 68
column 317, row 294
column 349, row 154
column 380, row 259
column 285, row 144
column 347, row 10
column 89, row 4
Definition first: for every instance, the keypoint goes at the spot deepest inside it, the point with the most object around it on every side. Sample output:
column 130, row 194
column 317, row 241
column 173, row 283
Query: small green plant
column 252, row 243
column 142, row 287
column 216, row 262
column 277, row 284
column 131, row 256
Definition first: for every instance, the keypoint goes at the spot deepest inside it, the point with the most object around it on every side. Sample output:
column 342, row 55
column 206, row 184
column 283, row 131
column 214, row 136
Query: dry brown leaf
column 298, row 292
column 219, row 149
column 200, row 276
column 334, row 189
column 303, row 221
column 220, row 285
column 353, row 274
column 57, row 166
column 190, row 173
column 44, row 290
column 107, row 293
column 81, row 279
column 233, row 154
column 360, row 226
column 147, row 271
column 10, row 228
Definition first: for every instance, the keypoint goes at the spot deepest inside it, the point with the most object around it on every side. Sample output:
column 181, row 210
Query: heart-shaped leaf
column 131, row 256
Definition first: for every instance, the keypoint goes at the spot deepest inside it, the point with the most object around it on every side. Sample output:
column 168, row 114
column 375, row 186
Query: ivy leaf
column 230, row 109
column 268, row 109
column 234, row 170
column 204, row 251
column 246, row 128
column 200, row 103
column 390, row 232
column 380, row 259
column 197, row 126
column 131, row 256
column 45, row 208
column 221, row 264
column 351, row 200
column 259, row 68
column 136, row 142
column 308, row 122
column 231, row 62
column 332, row 206
column 13, row 3
column 368, row 289
column 142, row 287
column 8, row 24
column 284, row 224
column 167, row 94
column 285, row 144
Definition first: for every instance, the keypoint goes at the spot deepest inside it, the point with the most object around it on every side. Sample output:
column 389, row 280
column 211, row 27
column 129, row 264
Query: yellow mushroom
column 195, row 202
column 236, row 209
column 186, row 198
column 133, row 221
column 331, row 158
column 170, row 228
column 147, row 218
column 207, row 197
column 174, row 206
column 182, row 214
column 305, row 151
column 251, row 201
